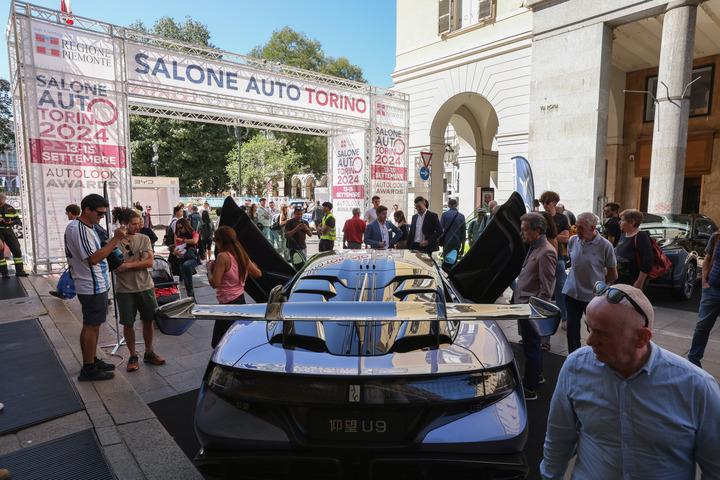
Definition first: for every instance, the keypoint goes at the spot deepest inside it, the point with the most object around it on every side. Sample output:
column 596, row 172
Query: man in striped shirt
column 89, row 269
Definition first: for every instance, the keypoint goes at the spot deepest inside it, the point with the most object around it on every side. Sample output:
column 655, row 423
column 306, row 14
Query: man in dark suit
column 381, row 234
column 425, row 230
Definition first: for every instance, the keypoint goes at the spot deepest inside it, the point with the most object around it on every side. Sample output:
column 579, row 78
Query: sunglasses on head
column 615, row 296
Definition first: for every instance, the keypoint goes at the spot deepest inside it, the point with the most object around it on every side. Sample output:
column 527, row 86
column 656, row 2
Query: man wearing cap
column 627, row 408
column 327, row 229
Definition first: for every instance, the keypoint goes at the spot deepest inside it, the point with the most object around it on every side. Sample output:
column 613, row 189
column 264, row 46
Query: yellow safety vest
column 330, row 235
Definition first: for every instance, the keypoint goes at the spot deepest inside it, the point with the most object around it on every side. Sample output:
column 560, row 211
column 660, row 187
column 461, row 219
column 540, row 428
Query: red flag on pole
column 66, row 9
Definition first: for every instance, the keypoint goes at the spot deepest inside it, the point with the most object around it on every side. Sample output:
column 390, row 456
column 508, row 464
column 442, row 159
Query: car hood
column 478, row 345
column 495, row 259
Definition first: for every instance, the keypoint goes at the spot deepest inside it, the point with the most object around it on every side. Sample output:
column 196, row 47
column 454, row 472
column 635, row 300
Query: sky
column 361, row 30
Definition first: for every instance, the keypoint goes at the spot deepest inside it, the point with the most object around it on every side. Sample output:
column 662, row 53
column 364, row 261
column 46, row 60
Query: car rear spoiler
column 185, row 309
column 364, row 311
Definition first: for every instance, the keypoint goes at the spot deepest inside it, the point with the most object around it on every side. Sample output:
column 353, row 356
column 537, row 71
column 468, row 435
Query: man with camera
column 89, row 267
column 134, row 289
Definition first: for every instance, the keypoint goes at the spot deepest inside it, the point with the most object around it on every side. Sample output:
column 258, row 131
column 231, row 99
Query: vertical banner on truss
column 76, row 127
column 389, row 156
column 348, row 174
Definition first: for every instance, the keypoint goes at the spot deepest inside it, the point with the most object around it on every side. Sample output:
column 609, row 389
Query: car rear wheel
column 685, row 290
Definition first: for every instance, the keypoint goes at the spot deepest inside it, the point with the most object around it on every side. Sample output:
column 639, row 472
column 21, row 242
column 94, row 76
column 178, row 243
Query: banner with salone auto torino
column 76, row 128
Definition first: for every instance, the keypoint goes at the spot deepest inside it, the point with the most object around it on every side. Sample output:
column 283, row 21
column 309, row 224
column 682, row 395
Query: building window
column 700, row 93
column 456, row 15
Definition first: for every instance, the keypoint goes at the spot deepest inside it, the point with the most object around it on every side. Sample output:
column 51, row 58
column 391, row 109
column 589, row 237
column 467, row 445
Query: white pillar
column 669, row 144
column 569, row 114
column 437, row 174
column 466, row 194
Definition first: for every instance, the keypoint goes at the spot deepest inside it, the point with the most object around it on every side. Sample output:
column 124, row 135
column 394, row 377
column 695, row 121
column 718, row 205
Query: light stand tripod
column 120, row 341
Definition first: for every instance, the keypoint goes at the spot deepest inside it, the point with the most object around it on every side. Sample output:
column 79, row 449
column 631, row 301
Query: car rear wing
column 283, row 316
column 186, row 309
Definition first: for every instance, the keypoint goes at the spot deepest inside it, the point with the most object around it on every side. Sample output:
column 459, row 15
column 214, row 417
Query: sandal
column 133, row 363
column 153, row 358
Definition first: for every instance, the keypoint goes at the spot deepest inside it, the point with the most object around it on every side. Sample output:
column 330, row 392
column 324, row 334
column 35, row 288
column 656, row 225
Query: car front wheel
column 685, row 290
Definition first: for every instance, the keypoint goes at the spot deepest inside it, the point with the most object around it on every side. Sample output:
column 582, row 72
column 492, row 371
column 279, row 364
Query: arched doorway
column 465, row 158
column 309, row 186
column 295, row 187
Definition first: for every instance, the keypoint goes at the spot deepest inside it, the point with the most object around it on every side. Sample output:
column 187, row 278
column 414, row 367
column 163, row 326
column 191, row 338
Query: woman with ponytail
column 227, row 275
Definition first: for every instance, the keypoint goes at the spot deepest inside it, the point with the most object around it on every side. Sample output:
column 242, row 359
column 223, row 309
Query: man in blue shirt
column 628, row 408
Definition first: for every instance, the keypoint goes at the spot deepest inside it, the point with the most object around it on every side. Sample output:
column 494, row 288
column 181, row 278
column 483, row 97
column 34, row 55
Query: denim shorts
column 94, row 308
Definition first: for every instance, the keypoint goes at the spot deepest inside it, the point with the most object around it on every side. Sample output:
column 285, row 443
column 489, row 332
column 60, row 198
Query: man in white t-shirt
column 371, row 213
column 90, row 272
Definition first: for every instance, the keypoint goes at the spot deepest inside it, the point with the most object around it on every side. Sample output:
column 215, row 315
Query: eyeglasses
column 615, row 296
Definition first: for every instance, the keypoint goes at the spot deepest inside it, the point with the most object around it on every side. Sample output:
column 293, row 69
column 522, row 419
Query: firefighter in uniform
column 8, row 218
column 327, row 229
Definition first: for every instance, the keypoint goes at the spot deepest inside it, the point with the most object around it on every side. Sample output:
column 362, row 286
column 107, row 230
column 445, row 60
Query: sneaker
column 133, row 363
column 153, row 358
column 56, row 294
column 530, row 395
column 93, row 375
column 103, row 365
column 563, row 324
column 21, row 274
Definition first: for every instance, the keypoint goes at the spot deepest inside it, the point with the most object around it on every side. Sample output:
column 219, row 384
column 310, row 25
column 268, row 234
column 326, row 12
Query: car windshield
column 666, row 228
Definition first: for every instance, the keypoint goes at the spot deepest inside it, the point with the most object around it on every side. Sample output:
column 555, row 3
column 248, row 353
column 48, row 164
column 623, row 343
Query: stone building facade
column 557, row 81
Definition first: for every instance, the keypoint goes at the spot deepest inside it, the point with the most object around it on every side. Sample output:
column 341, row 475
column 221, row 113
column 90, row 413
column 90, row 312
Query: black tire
column 685, row 290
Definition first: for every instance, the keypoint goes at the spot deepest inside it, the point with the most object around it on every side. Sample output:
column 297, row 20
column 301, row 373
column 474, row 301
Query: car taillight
column 249, row 386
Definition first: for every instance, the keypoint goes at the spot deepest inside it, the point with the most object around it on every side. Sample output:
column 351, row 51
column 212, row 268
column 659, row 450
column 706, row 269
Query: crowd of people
column 623, row 406
column 588, row 273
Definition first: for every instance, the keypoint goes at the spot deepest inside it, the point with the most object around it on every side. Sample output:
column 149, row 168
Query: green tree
column 296, row 49
column 7, row 136
column 261, row 159
column 195, row 152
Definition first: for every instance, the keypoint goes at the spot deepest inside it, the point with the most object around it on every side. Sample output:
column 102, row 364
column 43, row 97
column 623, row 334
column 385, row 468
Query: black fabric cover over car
column 275, row 270
column 495, row 259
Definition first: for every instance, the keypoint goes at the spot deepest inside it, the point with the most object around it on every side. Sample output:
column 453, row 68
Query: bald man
column 627, row 407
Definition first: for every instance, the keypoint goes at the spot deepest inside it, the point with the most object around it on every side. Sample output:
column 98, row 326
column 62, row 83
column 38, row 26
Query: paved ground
column 133, row 440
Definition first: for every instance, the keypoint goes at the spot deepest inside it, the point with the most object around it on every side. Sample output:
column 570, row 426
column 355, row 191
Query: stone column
column 437, row 174
column 466, row 194
column 667, row 167
column 569, row 114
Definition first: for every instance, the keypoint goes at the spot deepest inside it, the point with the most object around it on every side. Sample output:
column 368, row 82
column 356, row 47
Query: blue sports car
column 370, row 359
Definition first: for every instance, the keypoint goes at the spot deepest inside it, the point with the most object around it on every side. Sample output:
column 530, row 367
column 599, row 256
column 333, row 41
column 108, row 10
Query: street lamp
column 155, row 156
column 240, row 134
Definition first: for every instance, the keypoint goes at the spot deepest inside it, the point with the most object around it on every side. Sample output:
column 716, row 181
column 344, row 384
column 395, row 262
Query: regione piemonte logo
column 47, row 45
